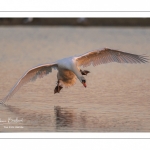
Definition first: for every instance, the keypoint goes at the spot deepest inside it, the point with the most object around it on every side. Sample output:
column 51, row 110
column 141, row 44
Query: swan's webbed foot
column 57, row 88
column 84, row 72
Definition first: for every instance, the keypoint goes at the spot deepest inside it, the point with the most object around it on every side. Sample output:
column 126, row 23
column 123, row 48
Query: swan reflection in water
column 64, row 117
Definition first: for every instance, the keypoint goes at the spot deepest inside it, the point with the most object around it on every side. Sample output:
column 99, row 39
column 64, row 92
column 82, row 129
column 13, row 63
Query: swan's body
column 68, row 71
column 69, row 68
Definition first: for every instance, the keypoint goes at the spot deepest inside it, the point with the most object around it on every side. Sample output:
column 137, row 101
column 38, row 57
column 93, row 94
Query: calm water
column 117, row 97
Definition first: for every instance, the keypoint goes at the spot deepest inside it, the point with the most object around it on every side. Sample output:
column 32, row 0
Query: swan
column 69, row 68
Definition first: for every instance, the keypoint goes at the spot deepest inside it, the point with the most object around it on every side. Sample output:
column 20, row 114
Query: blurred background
column 77, row 21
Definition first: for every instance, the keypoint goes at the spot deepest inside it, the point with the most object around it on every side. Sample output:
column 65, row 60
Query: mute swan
column 69, row 68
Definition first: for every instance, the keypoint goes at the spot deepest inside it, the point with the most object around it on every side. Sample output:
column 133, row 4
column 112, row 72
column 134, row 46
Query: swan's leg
column 57, row 88
column 84, row 72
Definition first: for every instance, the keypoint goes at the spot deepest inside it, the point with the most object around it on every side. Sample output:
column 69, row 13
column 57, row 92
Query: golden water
column 117, row 97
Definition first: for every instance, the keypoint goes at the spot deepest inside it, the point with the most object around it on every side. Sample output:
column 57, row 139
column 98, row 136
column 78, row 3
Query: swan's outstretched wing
column 31, row 75
column 108, row 55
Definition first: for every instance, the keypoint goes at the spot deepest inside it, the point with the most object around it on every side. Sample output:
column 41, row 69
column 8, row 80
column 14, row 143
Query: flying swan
column 69, row 68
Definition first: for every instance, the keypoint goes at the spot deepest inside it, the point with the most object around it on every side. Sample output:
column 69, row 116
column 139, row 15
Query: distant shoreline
column 76, row 21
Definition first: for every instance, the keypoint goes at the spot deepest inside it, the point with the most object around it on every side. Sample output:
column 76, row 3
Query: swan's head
column 83, row 81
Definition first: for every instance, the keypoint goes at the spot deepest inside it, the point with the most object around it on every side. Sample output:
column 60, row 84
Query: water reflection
column 83, row 119
column 64, row 117
column 33, row 120
column 112, row 101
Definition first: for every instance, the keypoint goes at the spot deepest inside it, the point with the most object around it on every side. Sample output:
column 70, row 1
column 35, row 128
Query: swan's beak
column 84, row 84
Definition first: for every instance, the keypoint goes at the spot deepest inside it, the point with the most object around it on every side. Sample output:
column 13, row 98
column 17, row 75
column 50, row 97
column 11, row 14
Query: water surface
column 117, row 97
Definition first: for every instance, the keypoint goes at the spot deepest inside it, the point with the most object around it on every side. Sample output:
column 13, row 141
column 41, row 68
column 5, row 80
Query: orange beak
column 84, row 84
